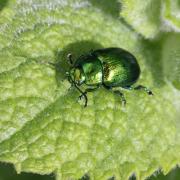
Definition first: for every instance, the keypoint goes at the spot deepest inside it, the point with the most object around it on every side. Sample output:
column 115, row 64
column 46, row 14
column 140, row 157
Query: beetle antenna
column 69, row 58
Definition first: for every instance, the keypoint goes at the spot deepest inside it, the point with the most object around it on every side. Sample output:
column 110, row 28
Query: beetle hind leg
column 119, row 93
column 140, row 87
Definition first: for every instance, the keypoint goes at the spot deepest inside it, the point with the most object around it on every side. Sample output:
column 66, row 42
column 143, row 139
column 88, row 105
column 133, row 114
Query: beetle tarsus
column 140, row 87
column 84, row 94
column 86, row 100
column 150, row 93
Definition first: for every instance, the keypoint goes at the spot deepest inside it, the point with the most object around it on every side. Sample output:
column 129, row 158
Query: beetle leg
column 121, row 95
column 140, row 87
column 118, row 92
column 84, row 94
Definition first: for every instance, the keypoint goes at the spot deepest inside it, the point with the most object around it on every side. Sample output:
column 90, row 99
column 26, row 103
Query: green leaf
column 143, row 16
column 44, row 128
column 171, row 15
column 171, row 59
column 151, row 17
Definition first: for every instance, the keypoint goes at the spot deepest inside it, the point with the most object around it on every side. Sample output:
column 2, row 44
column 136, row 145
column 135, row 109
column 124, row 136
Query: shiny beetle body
column 109, row 67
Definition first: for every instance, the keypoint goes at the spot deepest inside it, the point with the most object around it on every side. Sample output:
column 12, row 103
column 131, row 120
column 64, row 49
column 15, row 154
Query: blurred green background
column 7, row 172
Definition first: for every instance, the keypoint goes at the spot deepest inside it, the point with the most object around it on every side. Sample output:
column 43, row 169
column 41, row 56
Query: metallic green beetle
column 109, row 67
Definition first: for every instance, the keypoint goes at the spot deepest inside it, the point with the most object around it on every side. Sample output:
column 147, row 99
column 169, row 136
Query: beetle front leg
column 84, row 94
column 119, row 93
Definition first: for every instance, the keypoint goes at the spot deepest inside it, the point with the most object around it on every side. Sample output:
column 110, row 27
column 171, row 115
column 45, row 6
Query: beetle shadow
column 76, row 49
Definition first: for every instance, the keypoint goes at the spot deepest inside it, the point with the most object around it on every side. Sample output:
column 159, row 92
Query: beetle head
column 76, row 76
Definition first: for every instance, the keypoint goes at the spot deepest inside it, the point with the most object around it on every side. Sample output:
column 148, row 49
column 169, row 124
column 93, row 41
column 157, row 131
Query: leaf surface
column 44, row 128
